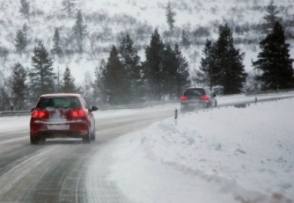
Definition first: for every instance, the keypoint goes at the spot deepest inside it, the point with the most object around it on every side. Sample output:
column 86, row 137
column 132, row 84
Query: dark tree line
column 26, row 85
column 124, row 78
column 127, row 80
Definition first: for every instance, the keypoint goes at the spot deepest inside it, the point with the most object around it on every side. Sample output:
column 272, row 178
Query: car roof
column 61, row 95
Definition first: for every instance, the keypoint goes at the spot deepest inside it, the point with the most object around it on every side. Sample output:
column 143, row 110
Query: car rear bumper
column 54, row 130
column 194, row 105
column 59, row 134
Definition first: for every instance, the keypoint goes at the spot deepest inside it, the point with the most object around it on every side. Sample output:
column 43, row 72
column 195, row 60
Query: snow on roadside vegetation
column 220, row 155
column 107, row 19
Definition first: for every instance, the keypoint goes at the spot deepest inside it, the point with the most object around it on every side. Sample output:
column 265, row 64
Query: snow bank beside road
column 237, row 153
column 13, row 123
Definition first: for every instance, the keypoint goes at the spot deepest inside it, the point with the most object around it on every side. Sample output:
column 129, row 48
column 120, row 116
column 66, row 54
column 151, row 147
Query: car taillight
column 39, row 113
column 205, row 97
column 78, row 113
column 184, row 98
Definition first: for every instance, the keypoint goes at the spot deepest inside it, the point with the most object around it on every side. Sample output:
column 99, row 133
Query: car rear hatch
column 58, row 113
column 194, row 96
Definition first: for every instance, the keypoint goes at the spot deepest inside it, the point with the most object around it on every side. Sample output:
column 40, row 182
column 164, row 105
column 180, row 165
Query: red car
column 62, row 115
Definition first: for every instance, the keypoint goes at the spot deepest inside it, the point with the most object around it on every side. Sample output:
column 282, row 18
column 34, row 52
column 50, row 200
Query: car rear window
column 194, row 92
column 58, row 102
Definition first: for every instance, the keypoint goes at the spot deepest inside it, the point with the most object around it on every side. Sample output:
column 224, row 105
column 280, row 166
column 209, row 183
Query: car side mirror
column 32, row 109
column 94, row 108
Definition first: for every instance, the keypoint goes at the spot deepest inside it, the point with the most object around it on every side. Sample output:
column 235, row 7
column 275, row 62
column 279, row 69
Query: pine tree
column 25, row 29
column 185, row 40
column 153, row 67
column 56, row 46
column 21, row 42
column 115, row 79
column 271, row 17
column 41, row 76
column 274, row 61
column 182, row 76
column 25, row 8
column 207, row 65
column 169, row 71
column 69, row 6
column 68, row 82
column 79, row 32
column 229, row 70
column 131, row 63
column 18, row 85
column 175, row 71
column 170, row 17
column 5, row 104
column 99, row 87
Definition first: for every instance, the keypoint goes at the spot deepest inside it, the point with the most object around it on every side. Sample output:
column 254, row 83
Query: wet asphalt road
column 61, row 170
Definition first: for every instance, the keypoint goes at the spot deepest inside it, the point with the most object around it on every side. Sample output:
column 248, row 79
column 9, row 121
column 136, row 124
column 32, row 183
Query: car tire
column 86, row 138
column 93, row 136
column 34, row 140
column 42, row 140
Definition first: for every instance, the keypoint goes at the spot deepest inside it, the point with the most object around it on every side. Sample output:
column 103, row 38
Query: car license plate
column 194, row 104
column 58, row 127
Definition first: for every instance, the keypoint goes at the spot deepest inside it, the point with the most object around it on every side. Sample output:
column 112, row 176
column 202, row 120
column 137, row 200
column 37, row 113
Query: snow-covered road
column 66, row 170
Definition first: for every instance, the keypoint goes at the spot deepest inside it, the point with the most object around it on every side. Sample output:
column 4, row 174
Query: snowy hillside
column 107, row 20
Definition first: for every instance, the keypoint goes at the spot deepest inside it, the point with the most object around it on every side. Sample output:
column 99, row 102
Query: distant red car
column 62, row 115
column 197, row 98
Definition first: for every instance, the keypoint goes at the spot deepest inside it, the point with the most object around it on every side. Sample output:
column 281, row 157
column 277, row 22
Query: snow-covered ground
column 219, row 155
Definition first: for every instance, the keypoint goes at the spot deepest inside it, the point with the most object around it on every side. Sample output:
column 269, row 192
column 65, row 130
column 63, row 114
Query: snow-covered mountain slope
column 108, row 20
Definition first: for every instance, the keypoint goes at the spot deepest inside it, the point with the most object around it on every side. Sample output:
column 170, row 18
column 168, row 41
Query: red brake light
column 78, row 113
column 183, row 98
column 39, row 113
column 204, row 97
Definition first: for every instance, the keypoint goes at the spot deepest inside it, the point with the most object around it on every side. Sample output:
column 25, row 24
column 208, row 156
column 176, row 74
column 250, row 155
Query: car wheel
column 34, row 140
column 42, row 140
column 93, row 136
column 86, row 138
